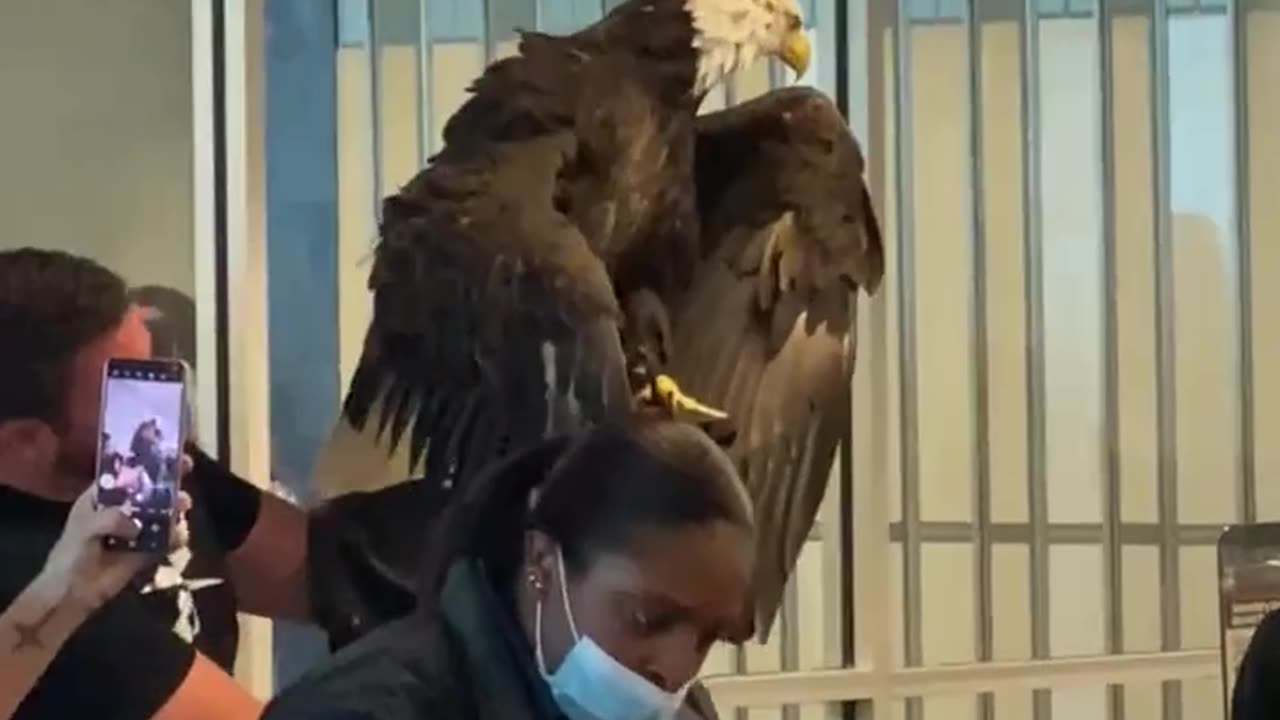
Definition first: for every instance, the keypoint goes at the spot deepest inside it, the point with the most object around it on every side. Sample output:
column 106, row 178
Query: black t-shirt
column 133, row 653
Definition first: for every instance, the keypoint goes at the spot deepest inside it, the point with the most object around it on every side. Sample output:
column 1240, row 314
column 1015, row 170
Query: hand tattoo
column 29, row 633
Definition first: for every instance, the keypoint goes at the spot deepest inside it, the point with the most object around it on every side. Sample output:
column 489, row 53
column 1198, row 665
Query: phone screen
column 141, row 435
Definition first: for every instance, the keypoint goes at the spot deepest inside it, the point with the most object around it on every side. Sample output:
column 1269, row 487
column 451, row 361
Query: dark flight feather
column 767, row 332
column 565, row 182
column 486, row 301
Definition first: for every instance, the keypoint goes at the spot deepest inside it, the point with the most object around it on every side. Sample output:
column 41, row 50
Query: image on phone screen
column 142, row 432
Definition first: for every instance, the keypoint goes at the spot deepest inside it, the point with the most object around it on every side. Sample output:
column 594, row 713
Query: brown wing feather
column 767, row 332
column 494, row 324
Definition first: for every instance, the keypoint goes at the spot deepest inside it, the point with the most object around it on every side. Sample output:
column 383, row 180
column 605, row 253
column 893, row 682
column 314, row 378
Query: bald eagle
column 584, row 240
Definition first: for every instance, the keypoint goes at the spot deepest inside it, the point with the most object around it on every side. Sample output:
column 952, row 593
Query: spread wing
column 494, row 324
column 622, row 177
column 767, row 331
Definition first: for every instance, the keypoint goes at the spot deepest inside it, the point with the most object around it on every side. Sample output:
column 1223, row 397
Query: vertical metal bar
column 1033, row 290
column 1112, row 546
column 246, row 257
column 731, row 89
column 209, row 220
column 221, row 252
column 847, row 629
column 1239, row 10
column 1166, row 398
column 842, row 31
column 740, row 668
column 375, row 106
column 908, row 432
column 848, row 639
column 984, row 627
column 866, row 574
column 777, row 74
column 843, row 27
column 486, row 32
column 422, row 47
column 790, row 638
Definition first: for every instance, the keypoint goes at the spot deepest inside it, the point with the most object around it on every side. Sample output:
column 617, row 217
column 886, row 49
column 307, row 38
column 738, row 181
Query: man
column 61, row 318
column 165, row 652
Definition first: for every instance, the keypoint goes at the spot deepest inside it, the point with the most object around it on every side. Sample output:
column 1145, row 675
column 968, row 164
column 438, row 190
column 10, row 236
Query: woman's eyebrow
column 664, row 604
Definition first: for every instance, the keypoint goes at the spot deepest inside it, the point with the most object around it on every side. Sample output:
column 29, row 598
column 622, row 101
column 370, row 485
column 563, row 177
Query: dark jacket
column 1257, row 691
column 469, row 661
column 364, row 554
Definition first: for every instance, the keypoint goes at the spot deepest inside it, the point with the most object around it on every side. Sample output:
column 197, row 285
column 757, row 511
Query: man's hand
column 84, row 574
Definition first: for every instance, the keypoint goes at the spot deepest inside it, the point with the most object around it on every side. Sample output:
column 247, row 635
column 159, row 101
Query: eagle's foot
column 664, row 391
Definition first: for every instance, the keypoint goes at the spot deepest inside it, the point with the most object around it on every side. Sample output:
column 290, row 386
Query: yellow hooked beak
column 796, row 52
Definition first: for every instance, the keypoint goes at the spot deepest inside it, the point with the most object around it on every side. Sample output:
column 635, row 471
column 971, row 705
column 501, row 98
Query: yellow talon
column 670, row 395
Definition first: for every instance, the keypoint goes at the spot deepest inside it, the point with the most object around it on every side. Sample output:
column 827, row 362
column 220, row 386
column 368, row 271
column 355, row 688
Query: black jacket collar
column 504, row 676
column 505, row 679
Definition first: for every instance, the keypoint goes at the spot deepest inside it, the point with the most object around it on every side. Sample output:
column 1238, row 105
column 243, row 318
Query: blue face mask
column 591, row 685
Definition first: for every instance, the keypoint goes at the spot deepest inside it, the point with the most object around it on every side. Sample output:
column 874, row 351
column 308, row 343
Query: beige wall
column 1203, row 257
column 1264, row 117
column 96, row 132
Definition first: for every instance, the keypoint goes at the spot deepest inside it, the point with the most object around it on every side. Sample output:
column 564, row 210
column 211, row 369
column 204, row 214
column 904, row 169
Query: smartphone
column 1249, row 589
column 142, row 431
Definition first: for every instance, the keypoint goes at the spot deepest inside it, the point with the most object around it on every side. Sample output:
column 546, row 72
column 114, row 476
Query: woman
column 586, row 578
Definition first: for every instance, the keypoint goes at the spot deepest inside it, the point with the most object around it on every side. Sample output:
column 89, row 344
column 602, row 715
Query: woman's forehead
column 705, row 569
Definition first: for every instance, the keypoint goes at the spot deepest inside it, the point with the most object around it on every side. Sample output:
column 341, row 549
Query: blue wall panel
column 565, row 16
column 398, row 20
column 302, row 235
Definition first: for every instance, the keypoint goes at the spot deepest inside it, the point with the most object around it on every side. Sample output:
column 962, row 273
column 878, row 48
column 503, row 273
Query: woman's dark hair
column 593, row 491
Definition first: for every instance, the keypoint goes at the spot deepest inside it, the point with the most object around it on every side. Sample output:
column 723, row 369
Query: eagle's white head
column 731, row 34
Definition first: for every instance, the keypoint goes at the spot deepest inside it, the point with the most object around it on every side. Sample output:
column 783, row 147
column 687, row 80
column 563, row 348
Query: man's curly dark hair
column 52, row 305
